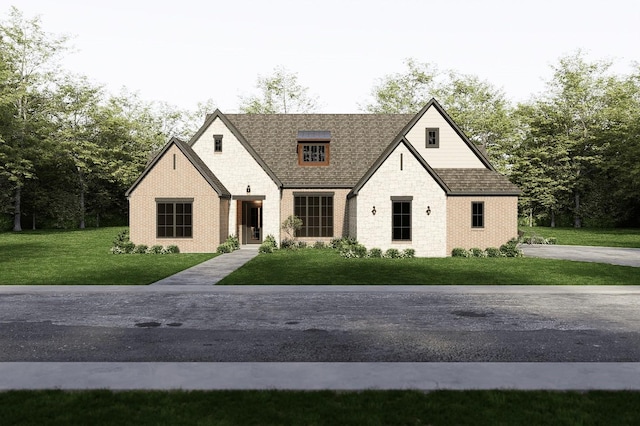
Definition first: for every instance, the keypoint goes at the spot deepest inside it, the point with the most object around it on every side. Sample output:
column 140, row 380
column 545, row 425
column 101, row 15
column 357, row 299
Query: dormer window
column 433, row 137
column 313, row 147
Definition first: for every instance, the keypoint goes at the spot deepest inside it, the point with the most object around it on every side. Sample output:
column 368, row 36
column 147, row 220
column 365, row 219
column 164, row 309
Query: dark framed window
column 477, row 214
column 174, row 219
column 433, row 137
column 313, row 154
column 401, row 219
column 217, row 143
column 316, row 212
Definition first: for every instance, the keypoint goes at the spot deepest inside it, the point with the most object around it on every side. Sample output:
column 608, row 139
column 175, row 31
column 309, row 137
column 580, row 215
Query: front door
column 252, row 222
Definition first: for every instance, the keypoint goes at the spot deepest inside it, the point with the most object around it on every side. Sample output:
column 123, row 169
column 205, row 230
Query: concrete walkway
column 315, row 376
column 612, row 255
column 213, row 270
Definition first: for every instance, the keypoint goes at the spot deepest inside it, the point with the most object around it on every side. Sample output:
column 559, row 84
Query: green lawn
column 325, row 266
column 81, row 257
column 319, row 408
column 588, row 236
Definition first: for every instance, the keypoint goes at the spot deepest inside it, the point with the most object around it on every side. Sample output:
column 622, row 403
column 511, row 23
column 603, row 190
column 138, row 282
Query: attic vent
column 314, row 135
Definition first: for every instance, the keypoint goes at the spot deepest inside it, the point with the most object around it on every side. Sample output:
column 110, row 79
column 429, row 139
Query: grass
column 81, row 257
column 477, row 408
column 325, row 266
column 589, row 236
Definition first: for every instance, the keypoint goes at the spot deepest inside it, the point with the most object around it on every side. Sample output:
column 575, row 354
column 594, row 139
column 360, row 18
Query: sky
column 185, row 52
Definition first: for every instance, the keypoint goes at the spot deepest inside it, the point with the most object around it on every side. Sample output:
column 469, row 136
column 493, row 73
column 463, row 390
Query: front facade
column 389, row 180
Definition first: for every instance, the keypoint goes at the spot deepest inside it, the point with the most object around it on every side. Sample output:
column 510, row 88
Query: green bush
column 233, row 241
column 477, row 252
column 155, row 249
column 225, row 247
column 552, row 240
column 353, row 251
column 288, row 244
column 301, row 244
column 375, row 253
column 140, row 249
column 493, row 252
column 460, row 252
column 268, row 245
column 172, row 249
column 335, row 243
column 510, row 248
column 319, row 245
column 392, row 253
column 408, row 253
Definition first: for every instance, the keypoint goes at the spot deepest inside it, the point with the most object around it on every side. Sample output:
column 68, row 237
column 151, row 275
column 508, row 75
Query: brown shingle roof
column 357, row 140
column 476, row 182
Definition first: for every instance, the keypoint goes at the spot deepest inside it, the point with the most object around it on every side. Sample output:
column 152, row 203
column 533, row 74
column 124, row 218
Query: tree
column 29, row 55
column 480, row 109
column 280, row 94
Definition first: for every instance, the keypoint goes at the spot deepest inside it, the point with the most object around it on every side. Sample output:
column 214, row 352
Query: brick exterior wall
column 429, row 232
column 500, row 222
column 163, row 181
column 340, row 212
column 237, row 169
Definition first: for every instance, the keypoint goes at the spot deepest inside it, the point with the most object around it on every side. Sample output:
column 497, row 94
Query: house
column 389, row 180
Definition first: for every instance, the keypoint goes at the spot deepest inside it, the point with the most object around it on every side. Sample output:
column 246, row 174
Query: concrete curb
column 317, row 376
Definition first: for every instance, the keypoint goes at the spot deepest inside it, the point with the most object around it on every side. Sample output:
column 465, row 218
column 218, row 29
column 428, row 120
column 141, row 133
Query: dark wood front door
column 252, row 222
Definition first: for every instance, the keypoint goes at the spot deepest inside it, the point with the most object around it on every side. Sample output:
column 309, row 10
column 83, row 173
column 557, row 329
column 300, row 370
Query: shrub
column 375, row 253
column 319, row 245
column 510, row 248
column 353, row 250
column 459, row 252
column 155, row 249
column 291, row 225
column 335, row 243
column 392, row 253
column 552, row 240
column 288, row 244
column 140, row 249
column 233, row 241
column 301, row 244
column 268, row 245
column 493, row 252
column 122, row 237
column 225, row 247
column 477, row 252
column 408, row 253
column 122, row 244
column 172, row 249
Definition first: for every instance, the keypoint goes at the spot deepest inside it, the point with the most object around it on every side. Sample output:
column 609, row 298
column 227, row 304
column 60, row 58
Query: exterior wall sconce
column 248, row 189
column 428, row 210
column 373, row 211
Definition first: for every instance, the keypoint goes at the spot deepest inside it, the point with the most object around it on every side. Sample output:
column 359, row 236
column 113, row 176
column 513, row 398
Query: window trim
column 174, row 201
column 217, row 143
column 437, row 132
column 480, row 216
column 321, row 225
column 403, row 199
column 327, row 153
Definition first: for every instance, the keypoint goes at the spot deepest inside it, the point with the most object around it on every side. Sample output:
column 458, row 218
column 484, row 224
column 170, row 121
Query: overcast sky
column 187, row 51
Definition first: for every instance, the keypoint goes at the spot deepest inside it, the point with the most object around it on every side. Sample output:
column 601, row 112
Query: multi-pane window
column 217, row 143
column 401, row 227
column 313, row 154
column 316, row 213
column 433, row 137
column 175, row 219
column 477, row 214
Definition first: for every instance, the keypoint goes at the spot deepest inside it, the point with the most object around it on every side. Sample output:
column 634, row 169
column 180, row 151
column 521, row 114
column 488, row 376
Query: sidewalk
column 213, row 270
column 316, row 376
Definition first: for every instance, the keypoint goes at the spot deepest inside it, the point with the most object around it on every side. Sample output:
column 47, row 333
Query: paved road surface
column 320, row 324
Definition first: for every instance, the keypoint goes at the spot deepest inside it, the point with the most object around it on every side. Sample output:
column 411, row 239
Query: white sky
column 187, row 51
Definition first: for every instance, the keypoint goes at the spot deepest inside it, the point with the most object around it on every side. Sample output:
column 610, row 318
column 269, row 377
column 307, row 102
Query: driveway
column 612, row 255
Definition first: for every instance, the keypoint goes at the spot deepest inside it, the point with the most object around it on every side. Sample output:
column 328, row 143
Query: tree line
column 69, row 149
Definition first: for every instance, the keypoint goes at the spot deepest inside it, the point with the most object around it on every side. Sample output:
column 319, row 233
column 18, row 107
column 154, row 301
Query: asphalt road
column 320, row 324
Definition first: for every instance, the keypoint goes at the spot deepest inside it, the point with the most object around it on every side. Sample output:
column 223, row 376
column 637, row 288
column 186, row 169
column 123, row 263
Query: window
column 316, row 154
column 477, row 214
column 401, row 225
column 174, row 219
column 316, row 212
column 433, row 137
column 313, row 147
column 217, row 143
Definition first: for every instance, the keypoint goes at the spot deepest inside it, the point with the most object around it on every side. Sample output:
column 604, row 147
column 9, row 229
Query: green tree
column 280, row 94
column 29, row 57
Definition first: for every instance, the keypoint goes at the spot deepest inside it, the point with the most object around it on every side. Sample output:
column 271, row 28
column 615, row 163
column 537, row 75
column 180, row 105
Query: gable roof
column 476, row 182
column 217, row 114
column 356, row 141
column 199, row 165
